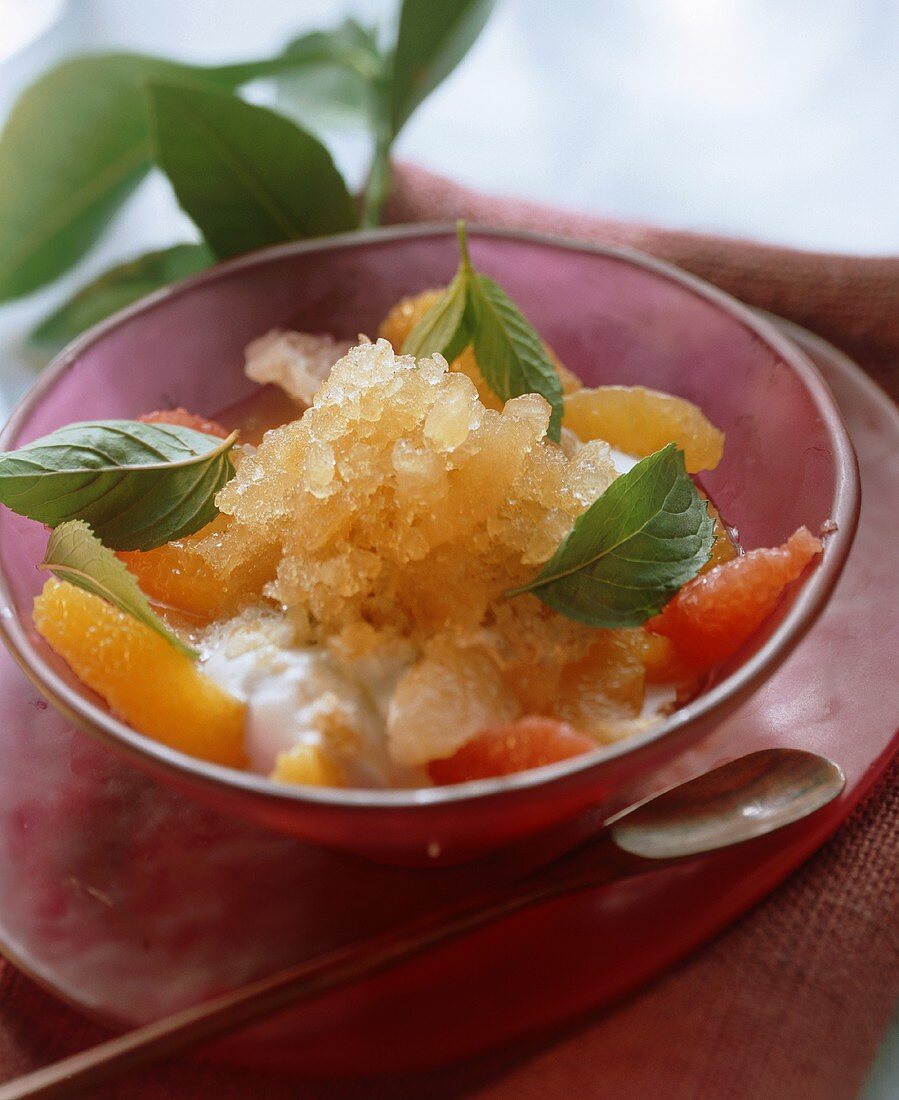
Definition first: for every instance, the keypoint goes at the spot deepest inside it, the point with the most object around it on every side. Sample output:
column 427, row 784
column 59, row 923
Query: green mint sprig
column 137, row 485
column 75, row 554
column 79, row 141
column 635, row 546
column 476, row 311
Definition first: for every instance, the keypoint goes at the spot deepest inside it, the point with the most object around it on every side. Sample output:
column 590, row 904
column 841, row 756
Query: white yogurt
column 621, row 461
column 306, row 694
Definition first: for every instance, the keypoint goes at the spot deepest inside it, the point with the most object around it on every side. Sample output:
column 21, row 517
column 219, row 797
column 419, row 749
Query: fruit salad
column 426, row 558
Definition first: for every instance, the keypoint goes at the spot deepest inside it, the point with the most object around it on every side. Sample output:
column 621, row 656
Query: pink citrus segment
column 640, row 421
column 155, row 688
column 717, row 612
column 186, row 420
column 512, row 747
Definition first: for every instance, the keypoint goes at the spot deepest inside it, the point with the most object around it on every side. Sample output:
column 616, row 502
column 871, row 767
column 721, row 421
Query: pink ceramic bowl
column 612, row 316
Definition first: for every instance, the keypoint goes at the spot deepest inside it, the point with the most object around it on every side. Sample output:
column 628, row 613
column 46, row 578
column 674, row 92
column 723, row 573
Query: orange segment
column 716, row 612
column 512, row 747
column 723, row 548
column 640, row 421
column 186, row 420
column 308, row 765
column 406, row 314
column 176, row 575
column 144, row 679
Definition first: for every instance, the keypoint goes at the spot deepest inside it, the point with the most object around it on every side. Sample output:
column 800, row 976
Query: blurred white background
column 773, row 119
column 776, row 119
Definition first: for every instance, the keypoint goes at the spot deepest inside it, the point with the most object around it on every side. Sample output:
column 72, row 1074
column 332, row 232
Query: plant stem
column 377, row 187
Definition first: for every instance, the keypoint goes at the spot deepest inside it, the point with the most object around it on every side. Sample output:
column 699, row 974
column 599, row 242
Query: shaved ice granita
column 425, row 559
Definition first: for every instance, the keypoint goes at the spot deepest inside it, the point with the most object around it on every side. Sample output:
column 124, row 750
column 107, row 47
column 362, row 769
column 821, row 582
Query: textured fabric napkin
column 792, row 1001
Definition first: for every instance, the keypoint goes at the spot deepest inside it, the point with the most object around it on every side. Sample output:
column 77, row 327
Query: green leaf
column 445, row 327
column 247, row 176
column 510, row 355
column 509, row 352
column 628, row 554
column 119, row 287
column 137, row 485
column 330, row 82
column 75, row 554
column 433, row 37
column 75, row 146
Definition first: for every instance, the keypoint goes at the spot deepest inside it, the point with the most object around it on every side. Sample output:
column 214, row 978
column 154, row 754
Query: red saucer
column 129, row 901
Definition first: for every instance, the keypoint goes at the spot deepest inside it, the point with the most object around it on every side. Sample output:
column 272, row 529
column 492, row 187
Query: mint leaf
column 247, row 176
column 509, row 352
column 119, row 287
column 510, row 355
column 433, row 37
column 628, row 554
column 331, row 76
column 137, row 485
column 76, row 555
column 444, row 329
column 74, row 147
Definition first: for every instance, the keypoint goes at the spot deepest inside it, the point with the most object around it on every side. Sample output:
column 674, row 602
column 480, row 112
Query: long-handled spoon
column 736, row 802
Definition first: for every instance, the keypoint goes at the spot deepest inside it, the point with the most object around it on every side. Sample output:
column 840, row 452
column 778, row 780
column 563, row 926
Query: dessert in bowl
column 382, row 656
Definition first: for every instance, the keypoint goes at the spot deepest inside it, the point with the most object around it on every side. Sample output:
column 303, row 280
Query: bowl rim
column 807, row 604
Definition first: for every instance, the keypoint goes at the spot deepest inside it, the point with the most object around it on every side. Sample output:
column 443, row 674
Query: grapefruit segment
column 185, row 419
column 511, row 747
column 717, row 612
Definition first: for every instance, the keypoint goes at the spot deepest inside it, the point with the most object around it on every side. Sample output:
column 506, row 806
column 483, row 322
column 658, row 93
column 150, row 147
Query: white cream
column 621, row 461
column 306, row 694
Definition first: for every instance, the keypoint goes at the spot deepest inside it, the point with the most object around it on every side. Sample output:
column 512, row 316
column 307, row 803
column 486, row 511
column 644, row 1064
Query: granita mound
column 395, row 514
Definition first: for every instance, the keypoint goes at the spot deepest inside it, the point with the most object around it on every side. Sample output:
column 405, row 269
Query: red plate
column 130, row 901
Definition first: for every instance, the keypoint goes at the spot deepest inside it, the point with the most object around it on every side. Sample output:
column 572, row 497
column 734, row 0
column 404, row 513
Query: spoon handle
column 309, row 979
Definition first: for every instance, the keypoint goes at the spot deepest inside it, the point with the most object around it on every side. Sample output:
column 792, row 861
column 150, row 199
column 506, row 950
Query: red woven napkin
column 792, row 1001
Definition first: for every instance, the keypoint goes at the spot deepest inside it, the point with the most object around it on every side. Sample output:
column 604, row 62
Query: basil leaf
column 247, row 176
column 119, row 287
column 628, row 554
column 137, row 485
column 445, row 327
column 433, row 37
column 509, row 352
column 331, row 76
column 76, row 555
column 510, row 355
column 75, row 146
